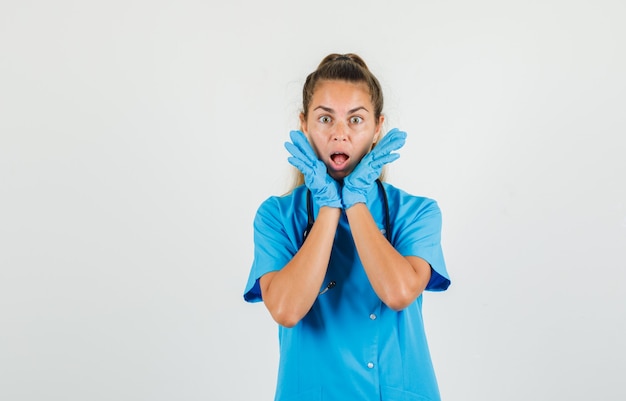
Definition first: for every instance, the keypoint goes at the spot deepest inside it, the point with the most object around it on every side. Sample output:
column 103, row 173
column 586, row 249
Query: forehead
column 330, row 92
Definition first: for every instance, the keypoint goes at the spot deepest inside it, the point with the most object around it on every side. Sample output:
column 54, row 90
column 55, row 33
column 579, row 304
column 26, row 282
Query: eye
column 324, row 119
column 356, row 120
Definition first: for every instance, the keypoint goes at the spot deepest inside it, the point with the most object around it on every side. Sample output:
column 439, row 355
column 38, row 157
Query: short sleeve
column 419, row 234
column 273, row 247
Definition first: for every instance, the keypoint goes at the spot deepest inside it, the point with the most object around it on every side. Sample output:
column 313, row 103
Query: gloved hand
column 363, row 177
column 324, row 189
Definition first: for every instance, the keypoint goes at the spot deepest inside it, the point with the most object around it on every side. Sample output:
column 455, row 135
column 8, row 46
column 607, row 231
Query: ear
column 379, row 127
column 303, row 126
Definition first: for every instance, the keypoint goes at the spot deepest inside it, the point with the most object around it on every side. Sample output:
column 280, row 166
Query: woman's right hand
column 323, row 187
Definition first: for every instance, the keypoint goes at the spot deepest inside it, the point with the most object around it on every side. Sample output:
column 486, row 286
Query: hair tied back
column 343, row 57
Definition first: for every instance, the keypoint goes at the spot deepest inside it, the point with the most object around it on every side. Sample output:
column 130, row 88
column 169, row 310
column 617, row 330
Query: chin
column 338, row 175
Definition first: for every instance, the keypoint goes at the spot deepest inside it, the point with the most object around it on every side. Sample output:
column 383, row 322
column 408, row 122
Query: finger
column 298, row 155
column 299, row 140
column 395, row 136
column 394, row 140
column 300, row 165
column 294, row 150
column 386, row 159
column 301, row 149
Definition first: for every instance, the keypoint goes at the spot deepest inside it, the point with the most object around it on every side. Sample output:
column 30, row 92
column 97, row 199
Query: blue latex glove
column 324, row 189
column 360, row 181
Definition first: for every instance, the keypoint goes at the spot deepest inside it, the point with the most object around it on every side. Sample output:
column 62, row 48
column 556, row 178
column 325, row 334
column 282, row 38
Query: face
column 341, row 125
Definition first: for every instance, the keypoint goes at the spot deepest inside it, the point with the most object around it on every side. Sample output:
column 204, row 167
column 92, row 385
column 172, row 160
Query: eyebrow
column 329, row 110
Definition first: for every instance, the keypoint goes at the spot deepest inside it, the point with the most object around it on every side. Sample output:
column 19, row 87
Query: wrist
column 336, row 204
column 350, row 199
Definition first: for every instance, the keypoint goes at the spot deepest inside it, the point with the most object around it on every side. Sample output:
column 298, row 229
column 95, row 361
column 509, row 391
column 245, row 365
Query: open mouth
column 339, row 159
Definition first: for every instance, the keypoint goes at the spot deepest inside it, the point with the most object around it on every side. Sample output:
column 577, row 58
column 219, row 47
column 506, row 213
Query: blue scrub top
column 350, row 345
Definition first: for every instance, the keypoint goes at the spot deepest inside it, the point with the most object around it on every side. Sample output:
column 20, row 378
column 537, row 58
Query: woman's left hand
column 358, row 183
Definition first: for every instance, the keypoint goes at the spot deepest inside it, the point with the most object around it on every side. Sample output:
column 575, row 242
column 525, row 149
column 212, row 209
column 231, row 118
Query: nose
column 340, row 133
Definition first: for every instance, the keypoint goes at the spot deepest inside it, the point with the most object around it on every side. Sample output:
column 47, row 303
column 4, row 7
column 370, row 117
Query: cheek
column 316, row 143
column 362, row 153
column 365, row 147
column 318, row 137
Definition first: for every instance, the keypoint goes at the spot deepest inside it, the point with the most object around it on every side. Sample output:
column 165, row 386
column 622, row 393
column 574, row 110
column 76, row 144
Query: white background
column 137, row 139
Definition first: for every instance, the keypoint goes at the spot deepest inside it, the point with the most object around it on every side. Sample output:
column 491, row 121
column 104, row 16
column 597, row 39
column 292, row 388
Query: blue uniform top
column 351, row 346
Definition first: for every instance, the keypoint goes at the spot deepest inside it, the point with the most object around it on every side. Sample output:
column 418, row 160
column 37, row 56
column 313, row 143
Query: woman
column 341, row 261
